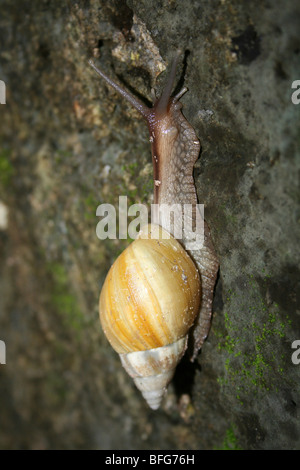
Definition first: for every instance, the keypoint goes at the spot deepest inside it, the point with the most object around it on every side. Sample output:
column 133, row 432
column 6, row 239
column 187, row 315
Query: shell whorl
column 153, row 369
column 151, row 294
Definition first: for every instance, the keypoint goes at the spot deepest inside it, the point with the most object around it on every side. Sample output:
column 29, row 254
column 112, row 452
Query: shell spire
column 152, row 370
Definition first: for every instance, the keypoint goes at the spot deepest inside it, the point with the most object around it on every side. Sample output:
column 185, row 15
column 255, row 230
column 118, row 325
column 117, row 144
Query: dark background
column 68, row 144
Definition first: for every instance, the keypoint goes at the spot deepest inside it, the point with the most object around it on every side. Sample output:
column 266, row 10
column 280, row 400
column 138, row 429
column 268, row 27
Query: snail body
column 152, row 361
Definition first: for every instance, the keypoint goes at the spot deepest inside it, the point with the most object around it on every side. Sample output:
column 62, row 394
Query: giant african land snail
column 153, row 292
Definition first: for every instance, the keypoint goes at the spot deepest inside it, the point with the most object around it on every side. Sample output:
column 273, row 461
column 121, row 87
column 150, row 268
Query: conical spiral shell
column 149, row 300
column 152, row 370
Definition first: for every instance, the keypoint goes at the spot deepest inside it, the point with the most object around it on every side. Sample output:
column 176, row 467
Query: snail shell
column 149, row 301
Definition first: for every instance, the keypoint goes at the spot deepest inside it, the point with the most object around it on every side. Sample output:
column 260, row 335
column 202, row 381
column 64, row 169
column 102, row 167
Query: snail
column 159, row 289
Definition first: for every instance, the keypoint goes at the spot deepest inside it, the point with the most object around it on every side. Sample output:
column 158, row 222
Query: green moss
column 63, row 299
column 6, row 168
column 230, row 441
column 55, row 388
column 230, row 341
column 90, row 204
column 61, row 155
column 228, row 215
column 251, row 345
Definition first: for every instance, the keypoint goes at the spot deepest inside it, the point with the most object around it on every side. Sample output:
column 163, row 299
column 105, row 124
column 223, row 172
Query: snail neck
column 175, row 147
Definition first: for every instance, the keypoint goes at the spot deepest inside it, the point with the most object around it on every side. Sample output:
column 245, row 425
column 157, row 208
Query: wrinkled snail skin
column 175, row 149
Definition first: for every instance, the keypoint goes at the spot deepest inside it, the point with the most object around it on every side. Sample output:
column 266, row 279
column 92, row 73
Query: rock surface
column 68, row 144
